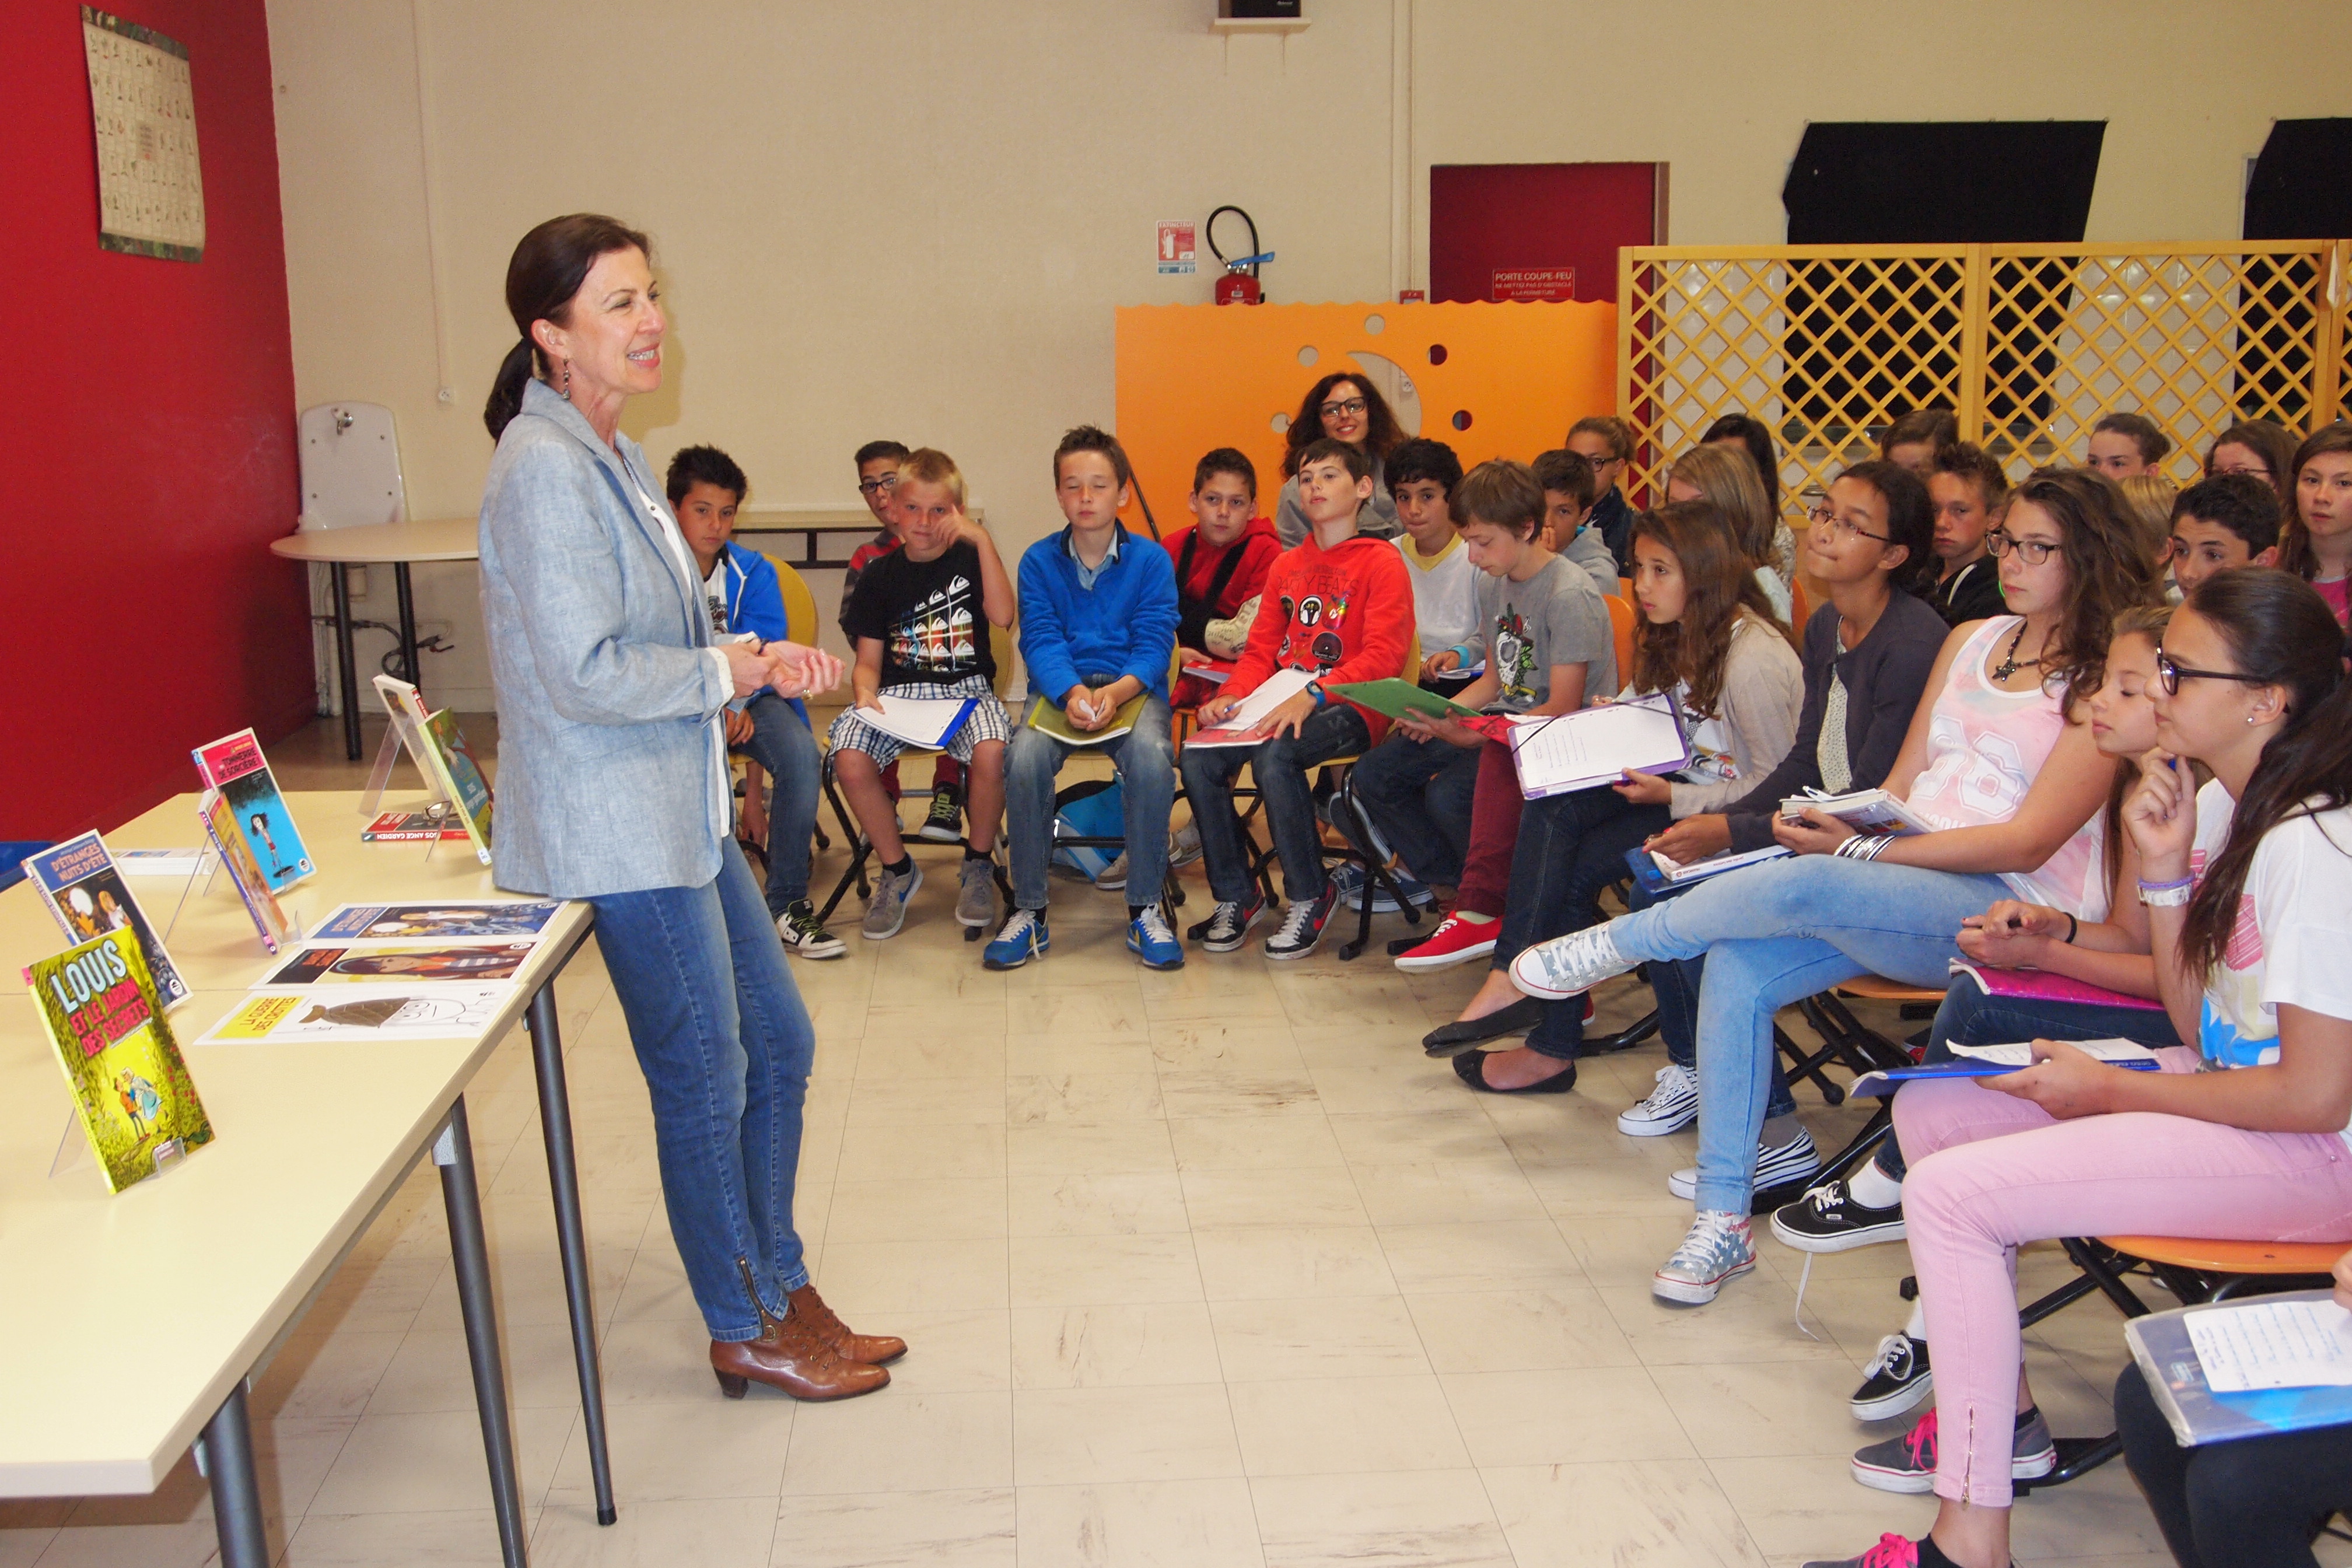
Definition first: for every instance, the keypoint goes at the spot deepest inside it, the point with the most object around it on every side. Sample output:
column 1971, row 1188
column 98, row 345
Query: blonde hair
column 2149, row 498
column 1727, row 476
column 929, row 466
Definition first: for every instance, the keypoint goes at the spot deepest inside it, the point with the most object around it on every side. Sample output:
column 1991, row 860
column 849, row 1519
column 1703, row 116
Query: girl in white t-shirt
column 2248, row 889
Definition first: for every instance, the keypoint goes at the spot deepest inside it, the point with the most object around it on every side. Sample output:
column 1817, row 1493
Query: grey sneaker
column 887, row 910
column 1907, row 1463
column 1114, row 875
column 1184, row 845
column 976, row 894
column 1719, row 1248
column 1568, row 965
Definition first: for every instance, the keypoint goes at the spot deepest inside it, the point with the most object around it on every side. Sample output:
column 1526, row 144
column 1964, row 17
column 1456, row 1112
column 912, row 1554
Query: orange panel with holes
column 1489, row 380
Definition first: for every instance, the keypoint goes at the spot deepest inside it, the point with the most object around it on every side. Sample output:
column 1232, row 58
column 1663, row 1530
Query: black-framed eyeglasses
column 1820, row 516
column 1352, row 406
column 2032, row 551
column 867, row 487
column 2170, row 674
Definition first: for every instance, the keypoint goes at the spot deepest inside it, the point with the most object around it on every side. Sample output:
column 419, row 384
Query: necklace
column 2010, row 664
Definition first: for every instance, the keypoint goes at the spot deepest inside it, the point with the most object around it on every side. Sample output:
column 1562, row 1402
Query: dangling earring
column 566, row 388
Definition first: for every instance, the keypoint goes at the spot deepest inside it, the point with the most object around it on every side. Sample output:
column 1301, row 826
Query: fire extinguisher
column 1239, row 284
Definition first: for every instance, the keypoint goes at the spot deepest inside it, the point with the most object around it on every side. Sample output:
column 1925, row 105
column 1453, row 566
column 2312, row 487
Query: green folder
column 1044, row 715
column 1397, row 697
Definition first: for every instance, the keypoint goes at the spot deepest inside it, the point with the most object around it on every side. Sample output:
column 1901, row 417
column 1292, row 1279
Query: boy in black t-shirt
column 919, row 621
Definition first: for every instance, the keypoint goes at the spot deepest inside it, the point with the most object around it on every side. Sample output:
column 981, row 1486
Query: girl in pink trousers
column 2250, row 908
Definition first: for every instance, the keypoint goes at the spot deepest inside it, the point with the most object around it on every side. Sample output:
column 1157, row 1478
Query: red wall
column 1483, row 217
column 147, row 448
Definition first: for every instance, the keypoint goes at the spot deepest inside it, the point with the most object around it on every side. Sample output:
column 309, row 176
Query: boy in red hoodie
column 1340, row 608
column 1221, row 566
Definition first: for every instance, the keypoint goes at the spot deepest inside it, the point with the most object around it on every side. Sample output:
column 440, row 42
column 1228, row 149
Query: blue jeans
column 1145, row 759
column 1677, row 987
column 725, row 1046
column 781, row 742
column 1970, row 1017
column 1280, row 767
column 1773, row 935
column 1570, row 847
column 1418, row 795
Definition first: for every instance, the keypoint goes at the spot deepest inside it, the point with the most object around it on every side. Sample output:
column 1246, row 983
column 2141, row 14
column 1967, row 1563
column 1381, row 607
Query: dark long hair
column 1381, row 432
column 1910, row 521
column 2295, row 539
column 2107, row 571
column 2271, row 442
column 1751, row 433
column 2281, row 631
column 1718, row 581
column 542, row 278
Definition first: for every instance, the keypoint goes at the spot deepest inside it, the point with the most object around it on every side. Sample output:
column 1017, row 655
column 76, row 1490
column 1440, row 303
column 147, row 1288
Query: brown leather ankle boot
column 808, row 1309
column 787, row 1355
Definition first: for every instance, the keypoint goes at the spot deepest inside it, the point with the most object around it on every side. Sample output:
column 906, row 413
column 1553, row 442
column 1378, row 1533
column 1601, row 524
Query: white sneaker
column 1569, row 966
column 1718, row 1246
column 1795, row 1161
column 1671, row 1106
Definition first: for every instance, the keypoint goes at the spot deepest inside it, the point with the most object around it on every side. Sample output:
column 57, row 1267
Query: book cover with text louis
column 234, row 766
column 130, row 1088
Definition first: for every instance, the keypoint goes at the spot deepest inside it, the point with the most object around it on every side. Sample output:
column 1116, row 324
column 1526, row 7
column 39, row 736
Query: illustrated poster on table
column 401, row 963
column 485, row 916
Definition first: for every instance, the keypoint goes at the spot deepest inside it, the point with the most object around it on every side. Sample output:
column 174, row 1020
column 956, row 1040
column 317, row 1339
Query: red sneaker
column 1456, row 940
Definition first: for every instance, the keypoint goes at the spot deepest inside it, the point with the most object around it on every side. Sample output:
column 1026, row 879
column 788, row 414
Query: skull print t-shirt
column 1557, row 617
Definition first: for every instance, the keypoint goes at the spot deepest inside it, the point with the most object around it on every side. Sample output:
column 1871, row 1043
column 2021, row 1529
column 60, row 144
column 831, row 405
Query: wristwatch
column 1315, row 689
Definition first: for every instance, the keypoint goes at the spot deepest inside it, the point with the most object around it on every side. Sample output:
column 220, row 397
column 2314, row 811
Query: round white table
column 398, row 543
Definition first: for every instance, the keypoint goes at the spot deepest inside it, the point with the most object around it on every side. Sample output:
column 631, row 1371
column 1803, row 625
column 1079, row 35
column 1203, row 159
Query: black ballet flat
column 1453, row 1039
column 1471, row 1069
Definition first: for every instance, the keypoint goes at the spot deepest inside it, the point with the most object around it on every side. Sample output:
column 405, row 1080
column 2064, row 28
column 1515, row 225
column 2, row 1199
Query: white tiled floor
column 1203, row 1269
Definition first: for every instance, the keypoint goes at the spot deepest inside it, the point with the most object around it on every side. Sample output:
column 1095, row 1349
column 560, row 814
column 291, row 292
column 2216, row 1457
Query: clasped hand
column 790, row 669
column 2012, row 934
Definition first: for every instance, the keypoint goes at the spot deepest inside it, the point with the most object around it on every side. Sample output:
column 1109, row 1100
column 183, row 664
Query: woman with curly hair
column 1344, row 407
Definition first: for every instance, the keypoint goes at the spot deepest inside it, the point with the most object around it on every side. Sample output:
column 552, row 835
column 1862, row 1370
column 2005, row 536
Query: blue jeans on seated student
column 1279, row 766
column 1570, row 847
column 1972, row 1017
column 1418, row 795
column 1773, row 935
column 781, row 743
column 724, row 1044
column 1145, row 759
column 1676, row 987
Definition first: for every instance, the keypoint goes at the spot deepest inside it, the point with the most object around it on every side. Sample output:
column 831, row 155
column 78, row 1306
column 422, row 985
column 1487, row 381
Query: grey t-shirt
column 1557, row 617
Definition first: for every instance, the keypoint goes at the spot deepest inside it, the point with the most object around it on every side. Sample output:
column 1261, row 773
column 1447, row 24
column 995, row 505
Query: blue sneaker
column 1148, row 938
column 1021, row 938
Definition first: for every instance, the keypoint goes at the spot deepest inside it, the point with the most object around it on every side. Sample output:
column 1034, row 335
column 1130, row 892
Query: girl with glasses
column 1342, row 406
column 2248, row 888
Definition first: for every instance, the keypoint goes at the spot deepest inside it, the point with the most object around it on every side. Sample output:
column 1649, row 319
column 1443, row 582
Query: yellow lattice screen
column 2027, row 344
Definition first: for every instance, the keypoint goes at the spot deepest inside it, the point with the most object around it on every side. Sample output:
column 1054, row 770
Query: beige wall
column 913, row 218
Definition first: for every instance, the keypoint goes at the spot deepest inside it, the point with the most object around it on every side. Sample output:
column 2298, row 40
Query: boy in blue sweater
column 706, row 487
column 1098, row 619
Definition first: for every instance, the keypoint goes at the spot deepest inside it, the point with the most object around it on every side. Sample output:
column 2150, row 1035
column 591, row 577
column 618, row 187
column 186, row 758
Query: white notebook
column 1598, row 745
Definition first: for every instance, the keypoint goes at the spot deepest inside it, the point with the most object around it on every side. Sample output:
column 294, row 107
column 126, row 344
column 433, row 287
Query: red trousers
column 1494, row 806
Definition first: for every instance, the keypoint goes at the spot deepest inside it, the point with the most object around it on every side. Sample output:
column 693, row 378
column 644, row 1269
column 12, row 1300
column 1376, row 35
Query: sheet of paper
column 1594, row 745
column 917, row 720
column 2274, row 1344
column 2020, row 1054
column 411, row 1013
column 1241, row 727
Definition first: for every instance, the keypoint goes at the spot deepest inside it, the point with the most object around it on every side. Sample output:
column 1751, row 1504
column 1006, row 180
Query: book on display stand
column 132, row 1096
column 84, row 889
column 234, row 766
column 459, row 794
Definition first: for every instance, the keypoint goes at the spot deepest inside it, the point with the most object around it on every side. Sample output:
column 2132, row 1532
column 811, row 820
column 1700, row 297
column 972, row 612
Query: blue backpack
column 1089, row 810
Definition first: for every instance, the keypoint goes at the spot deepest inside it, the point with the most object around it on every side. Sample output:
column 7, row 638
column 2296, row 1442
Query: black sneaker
column 804, row 934
column 1827, row 1219
column 1302, row 926
column 1227, row 925
column 944, row 825
column 1897, row 1379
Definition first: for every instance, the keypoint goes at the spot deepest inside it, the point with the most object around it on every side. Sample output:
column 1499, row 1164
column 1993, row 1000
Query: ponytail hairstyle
column 1910, row 521
column 2280, row 631
column 2108, row 571
column 1719, row 585
column 2140, row 621
column 2295, row 539
column 1729, row 480
column 542, row 278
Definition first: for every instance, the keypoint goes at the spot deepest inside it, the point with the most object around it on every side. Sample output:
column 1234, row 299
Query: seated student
column 2150, row 497
column 1342, row 406
column 877, row 471
column 2256, row 446
column 1568, row 487
column 2315, row 535
column 1340, row 607
column 2121, row 444
column 919, row 622
column 1097, row 625
column 706, row 487
column 1751, row 436
column 2247, row 892
column 2258, row 1501
column 1914, row 439
column 1707, row 636
column 1439, row 793
column 1999, row 763
column 1727, row 477
column 1971, row 494
column 1221, row 560
column 1422, row 475
column 1606, row 442
column 2229, row 520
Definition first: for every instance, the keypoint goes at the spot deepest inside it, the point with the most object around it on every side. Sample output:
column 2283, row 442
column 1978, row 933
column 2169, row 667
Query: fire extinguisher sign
column 1176, row 246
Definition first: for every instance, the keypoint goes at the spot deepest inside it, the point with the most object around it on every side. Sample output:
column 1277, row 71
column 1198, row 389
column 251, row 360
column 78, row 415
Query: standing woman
column 612, row 788
column 1345, row 407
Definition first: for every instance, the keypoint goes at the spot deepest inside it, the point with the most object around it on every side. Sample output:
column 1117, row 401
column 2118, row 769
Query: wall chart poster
column 151, row 190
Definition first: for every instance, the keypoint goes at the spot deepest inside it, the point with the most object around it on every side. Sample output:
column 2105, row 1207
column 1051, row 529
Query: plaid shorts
column 989, row 721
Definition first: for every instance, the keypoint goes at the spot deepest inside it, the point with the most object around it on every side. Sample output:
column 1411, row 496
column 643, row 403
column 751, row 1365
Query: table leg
column 808, row 555
column 563, row 1181
column 453, row 1151
column 227, row 1454
column 346, row 666
column 408, row 660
